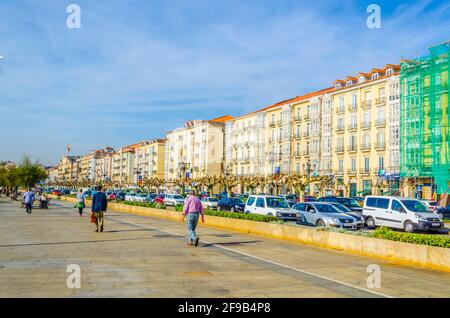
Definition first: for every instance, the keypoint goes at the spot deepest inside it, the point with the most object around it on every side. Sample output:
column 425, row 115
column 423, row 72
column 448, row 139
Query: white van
column 399, row 213
column 266, row 205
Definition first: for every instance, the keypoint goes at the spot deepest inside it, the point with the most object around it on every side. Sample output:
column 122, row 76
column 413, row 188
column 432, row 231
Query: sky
column 137, row 69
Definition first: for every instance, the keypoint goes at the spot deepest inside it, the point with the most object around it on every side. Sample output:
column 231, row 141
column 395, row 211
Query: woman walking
column 80, row 205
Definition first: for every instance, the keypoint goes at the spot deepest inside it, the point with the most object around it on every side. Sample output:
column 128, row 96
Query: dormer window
column 337, row 86
column 361, row 79
column 389, row 71
column 374, row 76
column 349, row 83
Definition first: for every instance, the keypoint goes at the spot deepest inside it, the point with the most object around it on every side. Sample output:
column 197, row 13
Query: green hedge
column 233, row 215
column 416, row 238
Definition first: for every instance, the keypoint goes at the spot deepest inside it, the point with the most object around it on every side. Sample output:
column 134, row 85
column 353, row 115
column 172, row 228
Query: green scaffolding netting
column 424, row 117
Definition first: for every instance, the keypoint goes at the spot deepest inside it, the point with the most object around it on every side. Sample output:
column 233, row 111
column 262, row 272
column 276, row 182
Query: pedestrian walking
column 192, row 210
column 80, row 204
column 43, row 201
column 99, row 205
column 28, row 198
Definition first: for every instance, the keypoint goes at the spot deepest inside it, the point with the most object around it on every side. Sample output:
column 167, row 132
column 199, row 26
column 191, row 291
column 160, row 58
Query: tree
column 299, row 183
column 228, row 182
column 29, row 173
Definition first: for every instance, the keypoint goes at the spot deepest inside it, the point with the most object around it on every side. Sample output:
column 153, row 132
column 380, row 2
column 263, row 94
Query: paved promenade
column 139, row 256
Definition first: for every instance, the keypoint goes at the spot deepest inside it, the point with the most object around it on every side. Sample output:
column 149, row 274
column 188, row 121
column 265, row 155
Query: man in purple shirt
column 191, row 211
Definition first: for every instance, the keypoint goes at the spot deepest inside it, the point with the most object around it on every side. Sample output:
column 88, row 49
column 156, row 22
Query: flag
column 68, row 148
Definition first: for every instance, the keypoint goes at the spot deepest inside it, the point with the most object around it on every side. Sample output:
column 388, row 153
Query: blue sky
column 137, row 69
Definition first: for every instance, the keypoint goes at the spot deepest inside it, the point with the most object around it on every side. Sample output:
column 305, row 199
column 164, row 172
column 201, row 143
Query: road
column 140, row 256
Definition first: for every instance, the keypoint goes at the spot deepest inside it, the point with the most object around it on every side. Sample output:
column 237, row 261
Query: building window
column 366, row 164
column 389, row 71
column 374, row 76
column 341, row 165
column 353, row 164
column 381, row 163
column 361, row 79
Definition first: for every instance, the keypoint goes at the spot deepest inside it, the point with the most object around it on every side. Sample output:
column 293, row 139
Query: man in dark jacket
column 99, row 204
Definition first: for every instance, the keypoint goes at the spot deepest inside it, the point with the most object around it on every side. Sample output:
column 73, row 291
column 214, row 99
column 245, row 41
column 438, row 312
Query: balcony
column 352, row 148
column 340, row 128
column 306, row 152
column 340, row 109
column 351, row 172
column 298, row 136
column 367, row 104
column 339, row 149
column 381, row 122
column 352, row 127
column 307, row 116
column 297, row 118
column 339, row 172
column 297, row 153
column 279, row 122
column 380, row 145
column 272, row 124
column 352, row 107
column 307, row 134
column 380, row 101
column 366, row 125
column 365, row 171
column 365, row 147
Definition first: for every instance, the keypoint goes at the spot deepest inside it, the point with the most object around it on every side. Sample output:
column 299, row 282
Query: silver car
column 324, row 215
column 358, row 218
column 210, row 203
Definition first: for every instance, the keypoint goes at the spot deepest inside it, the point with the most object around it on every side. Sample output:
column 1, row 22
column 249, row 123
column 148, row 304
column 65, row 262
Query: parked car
column 358, row 218
column 73, row 192
column 230, row 204
column 359, row 200
column 430, row 204
column 323, row 214
column 159, row 199
column 309, row 198
column 141, row 197
column 400, row 213
column 266, row 205
column 87, row 193
column 210, row 203
column 150, row 197
column 130, row 196
column 291, row 199
column 348, row 202
column 173, row 199
column 56, row 192
column 120, row 196
column 443, row 213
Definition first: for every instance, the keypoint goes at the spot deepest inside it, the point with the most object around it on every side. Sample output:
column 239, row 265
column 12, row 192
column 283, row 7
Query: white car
column 210, row 203
column 140, row 197
column 430, row 204
column 130, row 197
column 400, row 213
column 266, row 205
column 173, row 199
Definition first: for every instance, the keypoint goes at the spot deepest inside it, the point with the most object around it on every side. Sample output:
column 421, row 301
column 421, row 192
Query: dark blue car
column 230, row 204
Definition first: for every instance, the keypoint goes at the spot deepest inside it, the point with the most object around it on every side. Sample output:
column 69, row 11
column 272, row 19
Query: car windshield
column 178, row 197
column 432, row 203
column 235, row 200
column 342, row 207
column 277, row 203
column 212, row 200
column 290, row 197
column 327, row 208
column 349, row 202
column 415, row 206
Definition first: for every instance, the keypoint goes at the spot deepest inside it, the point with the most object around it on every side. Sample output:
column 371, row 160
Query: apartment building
column 67, row 168
column 123, row 173
column 149, row 160
column 244, row 144
column 196, row 149
column 361, row 136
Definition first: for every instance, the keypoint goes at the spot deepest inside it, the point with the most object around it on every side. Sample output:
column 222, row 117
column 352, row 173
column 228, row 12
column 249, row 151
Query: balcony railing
column 366, row 124
column 339, row 172
column 352, row 107
column 339, row 148
column 297, row 118
column 351, row 171
column 297, row 153
column 367, row 103
column 364, row 171
column 365, row 147
column 298, row 136
column 340, row 128
column 352, row 148
column 307, row 116
column 340, row 109
column 272, row 124
column 380, row 145
column 306, row 152
column 352, row 126
column 380, row 122
column 380, row 101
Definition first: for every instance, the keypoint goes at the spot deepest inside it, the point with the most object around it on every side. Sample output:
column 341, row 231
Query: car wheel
column 441, row 215
column 232, row 210
column 269, row 214
column 370, row 222
column 320, row 223
column 408, row 227
column 218, row 208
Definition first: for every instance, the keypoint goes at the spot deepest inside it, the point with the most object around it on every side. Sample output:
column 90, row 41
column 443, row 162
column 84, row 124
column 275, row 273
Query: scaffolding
column 424, row 117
